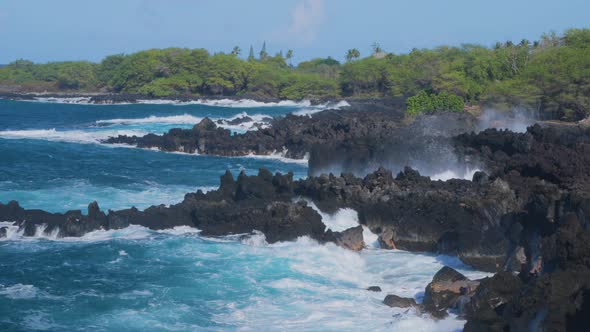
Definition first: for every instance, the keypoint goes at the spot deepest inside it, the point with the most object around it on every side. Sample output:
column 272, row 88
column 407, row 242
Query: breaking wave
column 253, row 285
column 455, row 174
column 280, row 156
column 73, row 136
column 233, row 103
column 187, row 119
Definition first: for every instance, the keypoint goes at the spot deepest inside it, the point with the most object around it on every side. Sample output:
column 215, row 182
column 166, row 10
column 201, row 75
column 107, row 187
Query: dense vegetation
column 552, row 74
column 425, row 102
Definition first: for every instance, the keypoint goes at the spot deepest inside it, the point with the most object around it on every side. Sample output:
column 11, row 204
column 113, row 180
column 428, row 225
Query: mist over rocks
column 357, row 139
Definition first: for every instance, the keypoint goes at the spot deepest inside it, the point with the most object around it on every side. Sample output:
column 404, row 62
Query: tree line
column 551, row 74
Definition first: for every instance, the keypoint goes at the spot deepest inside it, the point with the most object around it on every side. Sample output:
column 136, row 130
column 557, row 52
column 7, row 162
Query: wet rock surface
column 524, row 217
column 242, row 206
column 294, row 134
column 395, row 301
column 448, row 289
column 351, row 238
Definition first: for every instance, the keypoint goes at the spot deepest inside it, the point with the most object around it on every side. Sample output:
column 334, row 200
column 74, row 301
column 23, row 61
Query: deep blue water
column 140, row 280
column 51, row 158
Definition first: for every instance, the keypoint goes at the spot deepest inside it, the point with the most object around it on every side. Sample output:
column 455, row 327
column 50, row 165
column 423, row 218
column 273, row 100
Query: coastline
column 114, row 98
column 533, row 186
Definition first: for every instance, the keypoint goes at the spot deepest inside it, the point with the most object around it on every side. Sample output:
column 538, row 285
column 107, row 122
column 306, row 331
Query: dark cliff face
column 424, row 144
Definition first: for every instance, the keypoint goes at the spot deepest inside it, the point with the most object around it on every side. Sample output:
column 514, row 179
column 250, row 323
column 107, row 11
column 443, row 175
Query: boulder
column 487, row 305
column 374, row 289
column 351, row 238
column 386, row 239
column 445, row 290
column 399, row 302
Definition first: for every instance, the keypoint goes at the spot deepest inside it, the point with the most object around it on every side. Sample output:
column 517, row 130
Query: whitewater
column 137, row 279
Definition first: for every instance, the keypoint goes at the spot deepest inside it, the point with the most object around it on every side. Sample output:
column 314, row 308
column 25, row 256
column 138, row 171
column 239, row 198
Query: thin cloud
column 306, row 18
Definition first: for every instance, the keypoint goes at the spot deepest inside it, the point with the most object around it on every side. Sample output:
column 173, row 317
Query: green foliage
column 364, row 77
column 425, row 102
column 352, row 54
column 76, row 75
column 263, row 52
column 579, row 38
column 327, row 68
column 251, row 54
column 551, row 74
column 310, row 86
column 184, row 84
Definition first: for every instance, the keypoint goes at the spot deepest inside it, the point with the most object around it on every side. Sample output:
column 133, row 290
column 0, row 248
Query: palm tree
column 236, row 51
column 289, row 56
column 352, row 54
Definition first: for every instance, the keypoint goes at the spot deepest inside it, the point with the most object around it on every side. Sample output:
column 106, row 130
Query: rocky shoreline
column 99, row 97
column 524, row 218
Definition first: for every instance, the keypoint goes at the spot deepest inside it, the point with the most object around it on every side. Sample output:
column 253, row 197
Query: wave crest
column 72, row 136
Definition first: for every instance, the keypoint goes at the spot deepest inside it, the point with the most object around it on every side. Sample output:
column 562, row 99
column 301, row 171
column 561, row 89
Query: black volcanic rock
column 527, row 213
column 351, row 238
column 240, row 120
column 556, row 153
column 487, row 305
column 297, row 135
column 399, row 302
column 240, row 207
column 411, row 212
column 425, row 143
column 445, row 291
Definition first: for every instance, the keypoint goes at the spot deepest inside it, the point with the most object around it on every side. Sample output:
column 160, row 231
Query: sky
column 56, row 30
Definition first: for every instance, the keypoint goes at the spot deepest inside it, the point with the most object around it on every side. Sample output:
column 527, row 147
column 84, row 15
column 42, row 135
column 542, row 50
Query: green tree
column 236, row 51
column 108, row 68
column 251, row 54
column 263, row 53
column 352, row 54
column 76, row 75
column 289, row 56
column 425, row 102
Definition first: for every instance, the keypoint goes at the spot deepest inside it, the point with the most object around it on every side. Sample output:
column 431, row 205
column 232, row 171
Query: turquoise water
column 140, row 280
column 51, row 158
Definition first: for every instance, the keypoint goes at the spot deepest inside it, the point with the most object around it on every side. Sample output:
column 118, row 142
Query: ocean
column 136, row 279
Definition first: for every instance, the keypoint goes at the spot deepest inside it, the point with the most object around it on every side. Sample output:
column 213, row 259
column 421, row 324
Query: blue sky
column 44, row 30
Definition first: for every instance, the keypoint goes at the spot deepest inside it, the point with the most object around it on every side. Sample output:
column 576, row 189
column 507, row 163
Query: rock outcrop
column 374, row 289
column 351, row 238
column 448, row 289
column 257, row 203
column 525, row 217
column 395, row 301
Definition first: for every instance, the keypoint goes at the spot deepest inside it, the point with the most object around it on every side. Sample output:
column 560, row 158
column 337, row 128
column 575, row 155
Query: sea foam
column 72, row 136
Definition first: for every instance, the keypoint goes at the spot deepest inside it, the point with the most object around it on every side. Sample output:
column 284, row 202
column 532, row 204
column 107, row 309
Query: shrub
column 425, row 102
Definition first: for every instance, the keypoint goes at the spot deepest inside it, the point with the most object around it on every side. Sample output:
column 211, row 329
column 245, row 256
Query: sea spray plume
column 425, row 144
column 516, row 120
